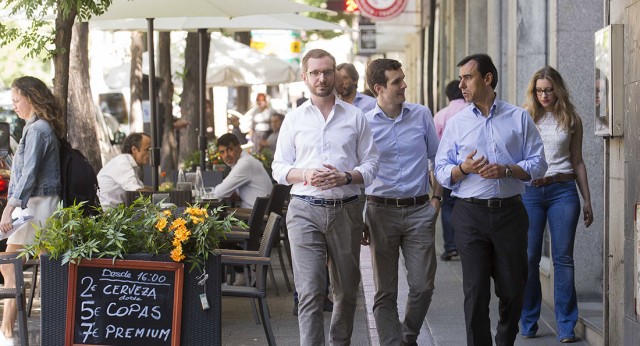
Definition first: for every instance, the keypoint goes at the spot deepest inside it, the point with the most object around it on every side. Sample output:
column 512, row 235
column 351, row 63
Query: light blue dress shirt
column 405, row 145
column 364, row 102
column 507, row 136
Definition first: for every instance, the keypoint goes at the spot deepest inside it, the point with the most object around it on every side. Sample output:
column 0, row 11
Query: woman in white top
column 554, row 200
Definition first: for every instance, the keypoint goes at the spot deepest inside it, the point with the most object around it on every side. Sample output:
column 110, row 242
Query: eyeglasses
column 325, row 73
column 548, row 91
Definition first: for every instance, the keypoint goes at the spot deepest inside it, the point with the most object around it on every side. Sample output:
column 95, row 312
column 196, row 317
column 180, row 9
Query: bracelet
column 304, row 176
column 461, row 170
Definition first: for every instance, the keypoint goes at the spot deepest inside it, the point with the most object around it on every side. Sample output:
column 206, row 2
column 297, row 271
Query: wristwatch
column 439, row 198
column 508, row 173
column 349, row 177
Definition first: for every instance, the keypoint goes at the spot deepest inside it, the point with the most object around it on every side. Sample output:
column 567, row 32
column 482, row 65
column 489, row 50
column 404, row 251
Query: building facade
column 522, row 36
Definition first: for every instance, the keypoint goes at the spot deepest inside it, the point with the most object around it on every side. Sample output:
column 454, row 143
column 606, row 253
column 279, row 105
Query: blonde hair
column 563, row 109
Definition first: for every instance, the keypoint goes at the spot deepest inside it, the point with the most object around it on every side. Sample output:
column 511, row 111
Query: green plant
column 187, row 234
column 191, row 160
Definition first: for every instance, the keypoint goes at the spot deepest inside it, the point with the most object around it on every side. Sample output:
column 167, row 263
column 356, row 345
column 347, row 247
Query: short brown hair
column 375, row 72
column 316, row 54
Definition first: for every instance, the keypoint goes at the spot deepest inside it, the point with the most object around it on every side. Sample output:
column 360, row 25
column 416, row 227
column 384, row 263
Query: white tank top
column 556, row 145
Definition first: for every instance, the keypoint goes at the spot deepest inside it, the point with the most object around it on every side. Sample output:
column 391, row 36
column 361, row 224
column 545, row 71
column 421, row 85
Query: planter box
column 198, row 327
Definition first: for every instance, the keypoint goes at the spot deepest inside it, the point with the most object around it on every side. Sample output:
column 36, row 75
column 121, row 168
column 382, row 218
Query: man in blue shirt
column 399, row 211
column 487, row 154
column 347, row 85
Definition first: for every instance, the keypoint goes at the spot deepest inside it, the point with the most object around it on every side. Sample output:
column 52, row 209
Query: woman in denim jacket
column 34, row 188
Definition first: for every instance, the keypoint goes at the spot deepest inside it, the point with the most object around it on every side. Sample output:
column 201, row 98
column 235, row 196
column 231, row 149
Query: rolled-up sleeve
column 285, row 155
column 534, row 162
column 446, row 159
column 367, row 153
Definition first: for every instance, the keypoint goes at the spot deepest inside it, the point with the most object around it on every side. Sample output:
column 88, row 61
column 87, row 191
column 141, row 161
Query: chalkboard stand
column 88, row 282
column 198, row 326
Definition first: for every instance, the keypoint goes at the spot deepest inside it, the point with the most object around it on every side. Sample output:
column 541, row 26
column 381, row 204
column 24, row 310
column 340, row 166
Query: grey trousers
column 411, row 229
column 322, row 236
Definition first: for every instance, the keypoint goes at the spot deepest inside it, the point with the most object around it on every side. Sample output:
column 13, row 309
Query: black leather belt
column 399, row 202
column 323, row 202
column 493, row 202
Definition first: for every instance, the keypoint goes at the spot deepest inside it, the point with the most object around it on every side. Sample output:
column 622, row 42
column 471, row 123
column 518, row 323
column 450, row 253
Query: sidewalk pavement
column 444, row 325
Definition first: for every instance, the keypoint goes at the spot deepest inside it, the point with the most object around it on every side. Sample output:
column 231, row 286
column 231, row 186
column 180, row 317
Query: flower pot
column 198, row 326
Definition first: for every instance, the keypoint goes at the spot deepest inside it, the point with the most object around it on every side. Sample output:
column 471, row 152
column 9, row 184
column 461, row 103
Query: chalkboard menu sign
column 124, row 303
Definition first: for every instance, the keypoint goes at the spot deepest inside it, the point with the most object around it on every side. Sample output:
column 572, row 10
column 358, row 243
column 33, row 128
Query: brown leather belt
column 399, row 202
column 493, row 202
column 558, row 178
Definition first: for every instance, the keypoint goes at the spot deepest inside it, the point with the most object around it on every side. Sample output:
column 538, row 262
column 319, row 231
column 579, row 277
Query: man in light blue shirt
column 399, row 211
column 347, row 85
column 487, row 154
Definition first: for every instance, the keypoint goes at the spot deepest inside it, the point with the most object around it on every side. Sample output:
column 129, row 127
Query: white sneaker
column 5, row 341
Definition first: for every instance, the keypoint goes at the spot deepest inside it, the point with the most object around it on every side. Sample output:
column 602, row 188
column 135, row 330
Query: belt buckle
column 333, row 203
column 494, row 203
column 398, row 205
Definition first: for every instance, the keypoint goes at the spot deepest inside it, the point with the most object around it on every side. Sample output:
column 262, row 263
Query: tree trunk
column 168, row 149
column 61, row 60
column 189, row 102
column 135, row 115
column 81, row 120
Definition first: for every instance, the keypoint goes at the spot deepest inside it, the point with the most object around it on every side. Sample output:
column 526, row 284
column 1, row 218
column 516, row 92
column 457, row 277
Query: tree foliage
column 38, row 35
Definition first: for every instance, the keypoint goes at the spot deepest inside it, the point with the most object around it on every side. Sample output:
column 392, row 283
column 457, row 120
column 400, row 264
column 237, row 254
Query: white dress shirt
column 248, row 179
column 116, row 177
column 307, row 141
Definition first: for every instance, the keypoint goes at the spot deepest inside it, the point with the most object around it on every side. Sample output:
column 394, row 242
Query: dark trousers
column 446, row 211
column 492, row 243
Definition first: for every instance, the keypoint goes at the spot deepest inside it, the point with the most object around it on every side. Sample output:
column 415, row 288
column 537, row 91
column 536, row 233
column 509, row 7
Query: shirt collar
column 338, row 102
column 492, row 110
column 377, row 111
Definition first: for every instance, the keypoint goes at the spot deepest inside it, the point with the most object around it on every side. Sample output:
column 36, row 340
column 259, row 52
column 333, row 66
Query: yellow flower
column 177, row 223
column 196, row 211
column 166, row 212
column 197, row 220
column 176, row 254
column 161, row 224
column 182, row 234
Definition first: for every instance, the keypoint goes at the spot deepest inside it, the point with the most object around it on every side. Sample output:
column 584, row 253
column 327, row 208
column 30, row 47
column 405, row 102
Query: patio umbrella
column 150, row 9
column 282, row 21
column 231, row 63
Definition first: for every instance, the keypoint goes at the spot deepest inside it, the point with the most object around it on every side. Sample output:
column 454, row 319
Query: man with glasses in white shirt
column 326, row 151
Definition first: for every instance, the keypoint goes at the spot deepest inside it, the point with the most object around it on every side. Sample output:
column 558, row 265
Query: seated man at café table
column 248, row 178
column 123, row 172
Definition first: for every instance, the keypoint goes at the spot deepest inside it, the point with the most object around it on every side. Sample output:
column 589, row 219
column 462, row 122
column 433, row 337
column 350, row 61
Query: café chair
column 262, row 261
column 32, row 264
column 277, row 199
column 18, row 293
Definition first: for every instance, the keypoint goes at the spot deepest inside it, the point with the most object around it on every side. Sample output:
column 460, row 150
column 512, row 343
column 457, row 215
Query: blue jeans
column 559, row 205
column 448, row 202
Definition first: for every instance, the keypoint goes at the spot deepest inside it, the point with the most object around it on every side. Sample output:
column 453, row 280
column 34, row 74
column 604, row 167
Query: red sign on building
column 381, row 9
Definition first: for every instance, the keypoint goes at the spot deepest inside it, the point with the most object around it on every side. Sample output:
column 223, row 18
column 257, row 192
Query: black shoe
column 295, row 308
column 328, row 305
column 448, row 255
column 567, row 340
